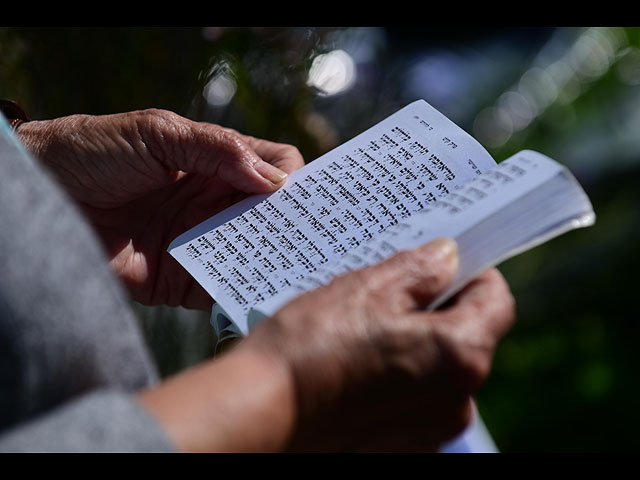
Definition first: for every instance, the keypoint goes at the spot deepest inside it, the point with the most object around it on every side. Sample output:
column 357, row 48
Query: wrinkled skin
column 373, row 370
column 142, row 178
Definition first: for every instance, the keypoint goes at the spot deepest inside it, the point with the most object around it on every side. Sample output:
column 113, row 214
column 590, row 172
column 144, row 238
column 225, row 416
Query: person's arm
column 354, row 366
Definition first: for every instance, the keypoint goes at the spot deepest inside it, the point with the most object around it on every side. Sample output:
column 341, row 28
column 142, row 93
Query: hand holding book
column 143, row 177
column 373, row 370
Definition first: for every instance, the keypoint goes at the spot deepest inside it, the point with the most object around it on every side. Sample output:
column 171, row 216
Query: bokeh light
column 332, row 73
column 219, row 91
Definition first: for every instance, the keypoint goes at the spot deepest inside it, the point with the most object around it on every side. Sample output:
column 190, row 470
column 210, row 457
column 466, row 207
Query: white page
column 455, row 214
column 258, row 247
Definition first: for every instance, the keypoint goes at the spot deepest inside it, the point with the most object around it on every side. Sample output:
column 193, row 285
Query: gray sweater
column 71, row 354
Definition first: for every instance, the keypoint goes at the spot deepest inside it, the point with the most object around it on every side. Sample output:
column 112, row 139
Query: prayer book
column 409, row 179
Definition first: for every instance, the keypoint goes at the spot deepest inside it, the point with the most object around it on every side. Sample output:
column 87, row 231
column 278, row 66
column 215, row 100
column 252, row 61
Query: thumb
column 210, row 150
column 421, row 273
column 237, row 164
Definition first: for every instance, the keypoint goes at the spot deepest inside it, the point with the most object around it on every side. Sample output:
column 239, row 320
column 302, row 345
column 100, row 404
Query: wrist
column 242, row 402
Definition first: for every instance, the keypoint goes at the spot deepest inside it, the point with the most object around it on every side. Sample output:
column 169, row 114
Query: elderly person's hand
column 142, row 178
column 357, row 365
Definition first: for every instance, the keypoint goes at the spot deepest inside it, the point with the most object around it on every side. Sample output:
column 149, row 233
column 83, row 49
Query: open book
column 411, row 178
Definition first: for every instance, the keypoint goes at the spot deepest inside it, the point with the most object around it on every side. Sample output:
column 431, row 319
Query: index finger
column 485, row 303
column 467, row 332
column 284, row 156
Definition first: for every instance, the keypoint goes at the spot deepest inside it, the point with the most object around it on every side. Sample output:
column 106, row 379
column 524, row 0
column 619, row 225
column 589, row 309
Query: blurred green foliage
column 565, row 378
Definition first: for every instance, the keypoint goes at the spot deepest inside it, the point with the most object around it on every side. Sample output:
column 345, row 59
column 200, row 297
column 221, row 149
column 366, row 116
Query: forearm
column 241, row 402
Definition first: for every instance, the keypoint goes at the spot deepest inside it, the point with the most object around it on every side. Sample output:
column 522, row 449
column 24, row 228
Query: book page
column 524, row 201
column 253, row 250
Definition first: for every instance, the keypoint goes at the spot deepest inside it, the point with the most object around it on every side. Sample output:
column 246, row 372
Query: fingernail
column 444, row 249
column 271, row 173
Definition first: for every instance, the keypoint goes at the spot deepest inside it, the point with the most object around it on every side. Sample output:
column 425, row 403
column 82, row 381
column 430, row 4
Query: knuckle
column 495, row 303
column 403, row 262
column 378, row 299
column 469, row 363
column 347, row 286
column 228, row 130
column 420, row 266
column 160, row 124
column 405, row 258
column 502, row 304
column 292, row 151
column 234, row 144
column 364, row 279
column 229, row 136
column 154, row 116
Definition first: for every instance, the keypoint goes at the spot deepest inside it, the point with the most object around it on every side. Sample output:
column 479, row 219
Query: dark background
column 564, row 379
